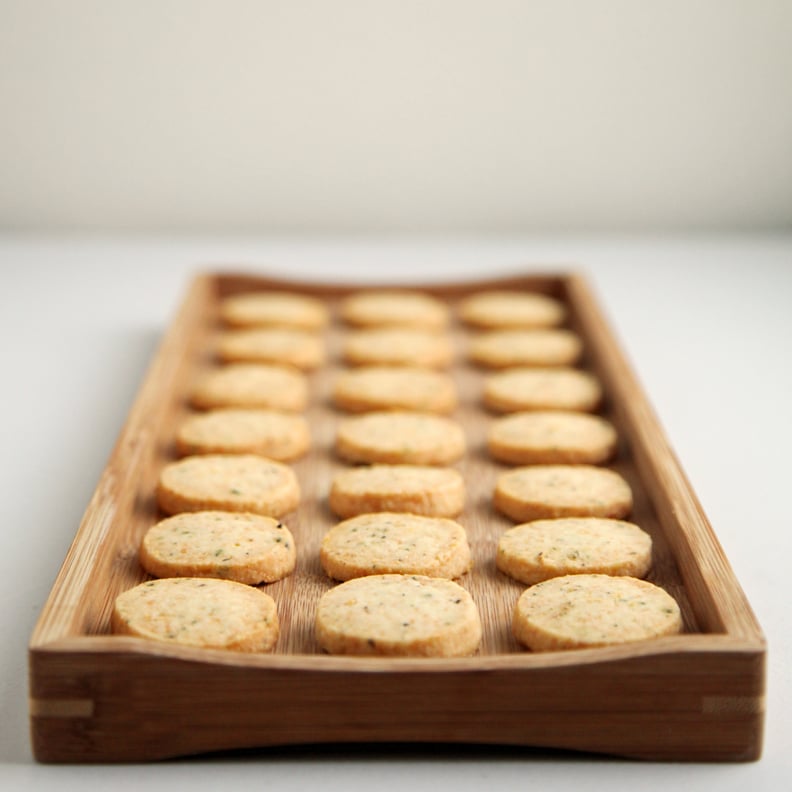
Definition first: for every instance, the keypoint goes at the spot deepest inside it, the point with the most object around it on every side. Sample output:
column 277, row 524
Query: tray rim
column 688, row 643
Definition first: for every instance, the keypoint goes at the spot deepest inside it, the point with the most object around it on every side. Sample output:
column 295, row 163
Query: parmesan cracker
column 509, row 348
column 248, row 548
column 511, row 309
column 373, row 544
column 519, row 389
column 415, row 489
column 539, row 491
column 398, row 615
column 252, row 385
column 398, row 346
column 543, row 549
column 277, row 435
column 274, row 308
column 400, row 438
column 372, row 388
column 394, row 308
column 551, row 437
column 581, row 611
column 279, row 345
column 228, row 482
column 212, row 614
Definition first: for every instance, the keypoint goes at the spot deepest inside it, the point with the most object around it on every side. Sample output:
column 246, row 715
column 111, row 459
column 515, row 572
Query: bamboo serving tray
column 97, row 697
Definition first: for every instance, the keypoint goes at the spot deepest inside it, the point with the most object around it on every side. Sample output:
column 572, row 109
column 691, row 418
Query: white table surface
column 706, row 322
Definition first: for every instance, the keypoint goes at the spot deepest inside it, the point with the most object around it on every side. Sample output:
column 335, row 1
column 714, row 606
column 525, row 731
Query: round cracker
column 395, row 308
column 509, row 348
column 544, row 549
column 398, row 346
column 374, row 388
column 252, row 385
column 415, row 489
column 519, row 389
column 400, row 438
column 212, row 614
column 276, row 435
column 248, row 548
column 581, row 611
column 228, row 482
column 551, row 437
column 511, row 309
column 546, row 491
column 375, row 544
column 280, row 345
column 398, row 615
column 274, row 308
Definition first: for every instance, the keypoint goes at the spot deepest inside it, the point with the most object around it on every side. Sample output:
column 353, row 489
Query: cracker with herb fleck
column 551, row 437
column 511, row 309
column 398, row 346
column 509, row 348
column 580, row 611
column 228, row 482
column 398, row 615
column 415, row 489
column 543, row 549
column 252, row 385
column 539, row 491
column 248, row 548
column 372, row 388
column 270, row 433
column 202, row 612
column 274, row 308
column 400, row 438
column 394, row 308
column 518, row 389
column 374, row 544
column 280, row 345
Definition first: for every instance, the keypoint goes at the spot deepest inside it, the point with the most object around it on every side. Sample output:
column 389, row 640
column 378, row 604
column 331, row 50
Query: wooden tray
column 95, row 697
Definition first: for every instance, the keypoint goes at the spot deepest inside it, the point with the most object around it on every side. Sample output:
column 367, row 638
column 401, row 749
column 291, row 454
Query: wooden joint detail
column 61, row 708
column 733, row 705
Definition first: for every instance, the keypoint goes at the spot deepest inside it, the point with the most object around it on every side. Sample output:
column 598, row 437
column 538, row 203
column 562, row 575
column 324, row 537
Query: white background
column 706, row 323
column 400, row 115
